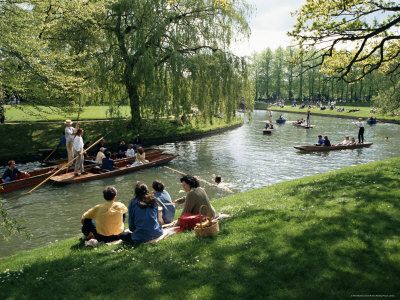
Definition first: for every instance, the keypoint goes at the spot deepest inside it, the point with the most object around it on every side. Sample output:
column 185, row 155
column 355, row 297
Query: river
column 244, row 158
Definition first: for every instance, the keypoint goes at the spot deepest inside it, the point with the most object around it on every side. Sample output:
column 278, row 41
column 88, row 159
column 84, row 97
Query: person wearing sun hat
column 360, row 125
column 69, row 138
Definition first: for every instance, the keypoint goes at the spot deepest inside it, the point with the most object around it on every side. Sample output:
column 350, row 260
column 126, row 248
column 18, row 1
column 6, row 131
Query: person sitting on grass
column 165, row 203
column 195, row 198
column 109, row 218
column 107, row 162
column 11, row 173
column 143, row 216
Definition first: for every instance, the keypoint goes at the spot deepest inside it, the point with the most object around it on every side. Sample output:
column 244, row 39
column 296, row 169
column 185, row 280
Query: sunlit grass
column 323, row 237
column 364, row 112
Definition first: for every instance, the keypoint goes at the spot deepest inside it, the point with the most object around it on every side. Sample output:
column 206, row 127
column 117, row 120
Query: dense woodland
column 280, row 74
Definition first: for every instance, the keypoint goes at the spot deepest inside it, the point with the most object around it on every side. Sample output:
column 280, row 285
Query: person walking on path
column 78, row 153
column 69, row 138
column 360, row 124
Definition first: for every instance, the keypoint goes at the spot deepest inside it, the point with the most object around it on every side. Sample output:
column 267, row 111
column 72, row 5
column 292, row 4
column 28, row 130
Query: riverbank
column 362, row 112
column 334, row 235
column 22, row 141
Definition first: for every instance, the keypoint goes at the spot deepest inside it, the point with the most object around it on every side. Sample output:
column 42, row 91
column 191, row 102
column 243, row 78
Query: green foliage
column 354, row 39
column 322, row 237
column 164, row 57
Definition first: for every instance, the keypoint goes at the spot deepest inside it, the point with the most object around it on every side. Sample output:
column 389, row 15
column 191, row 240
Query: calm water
column 244, row 157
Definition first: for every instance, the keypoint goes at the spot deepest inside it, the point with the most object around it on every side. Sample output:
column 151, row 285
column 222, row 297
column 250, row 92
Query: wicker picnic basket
column 208, row 227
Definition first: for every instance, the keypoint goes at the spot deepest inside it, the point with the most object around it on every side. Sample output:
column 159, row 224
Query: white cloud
column 271, row 21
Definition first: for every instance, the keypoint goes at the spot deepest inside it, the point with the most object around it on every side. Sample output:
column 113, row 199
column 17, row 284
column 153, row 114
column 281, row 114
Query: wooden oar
column 202, row 180
column 63, row 167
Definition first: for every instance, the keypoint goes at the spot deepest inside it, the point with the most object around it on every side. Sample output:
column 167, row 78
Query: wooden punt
column 89, row 160
column 35, row 177
column 302, row 125
column 122, row 168
column 331, row 148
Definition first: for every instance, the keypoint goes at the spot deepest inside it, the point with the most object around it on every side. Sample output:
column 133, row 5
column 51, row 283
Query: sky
column 269, row 24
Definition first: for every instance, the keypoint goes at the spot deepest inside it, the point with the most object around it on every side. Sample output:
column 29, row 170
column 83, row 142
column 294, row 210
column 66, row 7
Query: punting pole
column 202, row 180
column 63, row 167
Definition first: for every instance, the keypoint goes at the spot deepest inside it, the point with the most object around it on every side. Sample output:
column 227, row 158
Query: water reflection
column 244, row 157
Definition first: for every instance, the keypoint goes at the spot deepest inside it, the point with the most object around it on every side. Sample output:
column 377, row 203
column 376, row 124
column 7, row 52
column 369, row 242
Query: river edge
column 333, row 235
column 27, row 149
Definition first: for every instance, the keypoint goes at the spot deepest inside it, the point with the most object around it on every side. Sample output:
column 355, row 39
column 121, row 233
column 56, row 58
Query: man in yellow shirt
column 109, row 218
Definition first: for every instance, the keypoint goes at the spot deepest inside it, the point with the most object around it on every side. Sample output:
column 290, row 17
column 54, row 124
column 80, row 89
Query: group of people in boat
column 76, row 149
column 147, row 212
column 324, row 141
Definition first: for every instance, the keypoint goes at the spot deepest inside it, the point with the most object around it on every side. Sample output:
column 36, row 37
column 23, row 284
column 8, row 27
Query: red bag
column 189, row 221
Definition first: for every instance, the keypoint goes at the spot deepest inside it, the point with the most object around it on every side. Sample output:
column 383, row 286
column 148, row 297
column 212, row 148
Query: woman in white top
column 360, row 125
column 130, row 152
column 78, row 152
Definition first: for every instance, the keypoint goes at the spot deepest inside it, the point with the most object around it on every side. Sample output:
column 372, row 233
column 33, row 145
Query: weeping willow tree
column 173, row 55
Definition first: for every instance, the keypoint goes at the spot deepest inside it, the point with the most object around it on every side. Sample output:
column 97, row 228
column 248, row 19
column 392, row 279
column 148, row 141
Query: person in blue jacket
column 142, row 216
column 164, row 201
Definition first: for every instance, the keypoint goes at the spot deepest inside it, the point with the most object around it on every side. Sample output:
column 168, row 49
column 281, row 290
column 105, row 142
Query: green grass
column 363, row 113
column 322, row 237
column 28, row 113
column 25, row 139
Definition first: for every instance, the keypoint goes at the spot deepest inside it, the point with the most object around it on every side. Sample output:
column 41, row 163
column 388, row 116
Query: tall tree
column 369, row 28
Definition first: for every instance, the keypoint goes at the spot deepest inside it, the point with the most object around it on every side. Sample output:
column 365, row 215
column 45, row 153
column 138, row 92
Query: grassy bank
column 322, row 237
column 25, row 139
column 364, row 112
column 28, row 113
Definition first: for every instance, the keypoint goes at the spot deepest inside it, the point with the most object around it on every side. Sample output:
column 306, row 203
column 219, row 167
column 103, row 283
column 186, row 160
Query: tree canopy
column 354, row 37
column 163, row 56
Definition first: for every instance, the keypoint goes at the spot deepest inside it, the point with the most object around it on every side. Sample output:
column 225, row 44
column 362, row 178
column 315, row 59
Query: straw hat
column 68, row 122
column 102, row 149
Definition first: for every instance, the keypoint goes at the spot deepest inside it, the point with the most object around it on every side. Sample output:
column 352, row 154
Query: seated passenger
column 345, row 142
column 196, row 197
column 109, row 218
column 142, row 217
column 107, row 163
column 130, row 152
column 12, row 173
column 327, row 142
column 122, row 149
column 320, row 141
column 164, row 201
column 140, row 158
column 100, row 155
column 352, row 141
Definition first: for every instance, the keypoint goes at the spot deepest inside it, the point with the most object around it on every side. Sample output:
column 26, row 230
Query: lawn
column 364, row 112
column 28, row 113
column 331, row 236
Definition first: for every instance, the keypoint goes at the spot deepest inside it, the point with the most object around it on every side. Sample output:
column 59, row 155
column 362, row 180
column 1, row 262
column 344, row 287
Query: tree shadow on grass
column 259, row 254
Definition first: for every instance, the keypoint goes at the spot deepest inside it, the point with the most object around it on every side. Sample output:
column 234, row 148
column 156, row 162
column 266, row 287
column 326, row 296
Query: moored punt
column 121, row 168
column 309, row 148
column 35, row 177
